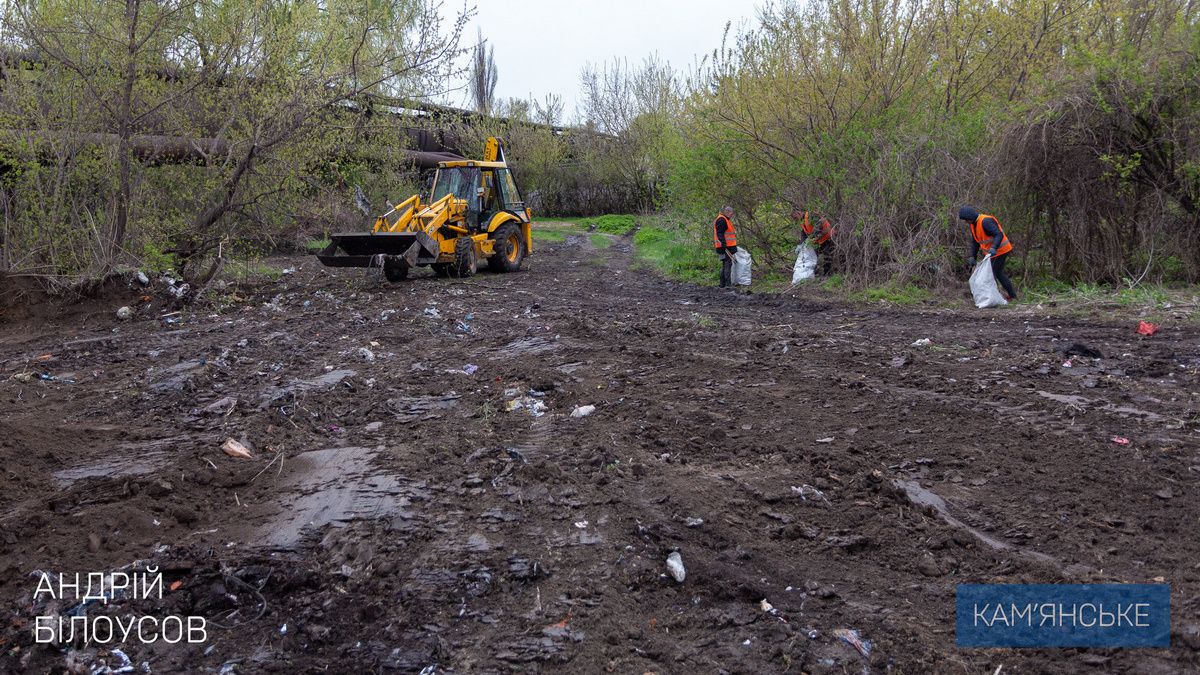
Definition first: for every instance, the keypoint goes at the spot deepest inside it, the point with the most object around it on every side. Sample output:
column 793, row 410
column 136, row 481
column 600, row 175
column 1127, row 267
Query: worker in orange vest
column 820, row 237
column 987, row 235
column 725, row 244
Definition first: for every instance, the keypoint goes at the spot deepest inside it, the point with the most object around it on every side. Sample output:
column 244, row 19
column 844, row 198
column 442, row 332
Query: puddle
column 922, row 497
column 126, row 459
column 336, row 486
column 326, row 381
column 1076, row 401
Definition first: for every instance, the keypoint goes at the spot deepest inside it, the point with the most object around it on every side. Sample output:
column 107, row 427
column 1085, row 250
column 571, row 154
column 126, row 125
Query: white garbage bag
column 983, row 285
column 741, row 267
column 806, row 264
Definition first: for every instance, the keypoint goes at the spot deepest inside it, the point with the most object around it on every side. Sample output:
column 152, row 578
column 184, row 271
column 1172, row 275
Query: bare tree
column 483, row 76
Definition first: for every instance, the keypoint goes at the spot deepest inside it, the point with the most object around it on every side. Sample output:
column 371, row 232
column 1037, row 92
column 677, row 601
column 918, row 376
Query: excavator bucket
column 374, row 249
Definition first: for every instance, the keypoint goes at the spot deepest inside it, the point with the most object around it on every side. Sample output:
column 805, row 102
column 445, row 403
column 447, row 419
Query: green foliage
column 675, row 255
column 610, row 224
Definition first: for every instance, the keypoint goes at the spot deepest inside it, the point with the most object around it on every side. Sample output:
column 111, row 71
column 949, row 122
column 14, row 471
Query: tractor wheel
column 464, row 257
column 441, row 269
column 395, row 271
column 509, row 247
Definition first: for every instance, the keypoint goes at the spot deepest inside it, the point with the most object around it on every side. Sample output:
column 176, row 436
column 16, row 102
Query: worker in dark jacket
column 987, row 235
column 725, row 244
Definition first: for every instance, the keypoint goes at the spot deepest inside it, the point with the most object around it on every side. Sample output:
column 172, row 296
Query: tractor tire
column 441, row 270
column 509, row 247
column 395, row 271
column 465, row 264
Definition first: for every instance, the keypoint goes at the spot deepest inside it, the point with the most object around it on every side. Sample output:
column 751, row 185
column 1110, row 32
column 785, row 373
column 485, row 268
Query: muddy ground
column 396, row 515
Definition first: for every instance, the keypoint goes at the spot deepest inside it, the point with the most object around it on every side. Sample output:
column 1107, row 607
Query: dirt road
column 399, row 516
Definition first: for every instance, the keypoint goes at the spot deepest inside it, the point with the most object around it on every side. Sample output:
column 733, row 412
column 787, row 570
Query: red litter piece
column 1147, row 328
column 1120, row 440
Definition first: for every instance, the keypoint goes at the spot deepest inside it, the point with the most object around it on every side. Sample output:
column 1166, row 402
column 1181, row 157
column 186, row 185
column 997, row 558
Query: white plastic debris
column 143, row 279
column 675, row 566
column 923, row 342
column 583, row 411
column 236, row 449
column 694, row 522
column 366, row 354
column 124, row 314
column 766, row 606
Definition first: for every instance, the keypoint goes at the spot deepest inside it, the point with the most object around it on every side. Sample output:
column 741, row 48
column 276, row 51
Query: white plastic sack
column 741, row 267
column 806, row 264
column 983, row 285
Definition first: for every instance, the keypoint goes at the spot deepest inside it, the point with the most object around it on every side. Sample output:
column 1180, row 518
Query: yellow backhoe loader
column 474, row 213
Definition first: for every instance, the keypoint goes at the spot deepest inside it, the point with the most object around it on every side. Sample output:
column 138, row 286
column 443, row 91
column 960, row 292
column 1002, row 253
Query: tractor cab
column 487, row 188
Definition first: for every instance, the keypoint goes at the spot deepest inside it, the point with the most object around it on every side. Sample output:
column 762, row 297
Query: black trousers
column 726, row 267
column 998, row 262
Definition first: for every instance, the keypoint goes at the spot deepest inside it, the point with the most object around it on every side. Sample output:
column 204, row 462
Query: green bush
column 610, row 224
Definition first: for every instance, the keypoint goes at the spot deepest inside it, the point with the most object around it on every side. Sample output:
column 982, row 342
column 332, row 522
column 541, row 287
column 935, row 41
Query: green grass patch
column 609, row 224
column 664, row 251
column 601, row 240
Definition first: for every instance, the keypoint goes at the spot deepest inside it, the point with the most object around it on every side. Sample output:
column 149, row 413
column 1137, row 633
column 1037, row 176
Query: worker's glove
column 991, row 252
column 731, row 249
column 969, row 263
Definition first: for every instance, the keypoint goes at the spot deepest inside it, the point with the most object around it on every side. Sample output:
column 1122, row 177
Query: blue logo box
column 1063, row 615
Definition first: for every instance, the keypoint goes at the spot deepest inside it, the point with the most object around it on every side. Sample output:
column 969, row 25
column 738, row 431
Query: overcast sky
column 541, row 45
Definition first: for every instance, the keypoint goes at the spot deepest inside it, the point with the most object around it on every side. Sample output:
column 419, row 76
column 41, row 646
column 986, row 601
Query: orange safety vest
column 826, row 230
column 982, row 237
column 730, row 233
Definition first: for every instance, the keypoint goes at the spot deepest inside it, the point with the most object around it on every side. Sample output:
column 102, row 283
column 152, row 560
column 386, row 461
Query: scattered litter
column 470, row 368
column 583, row 411
column 124, row 313
column 124, row 665
column 1067, row 363
column 900, row 361
column 1120, row 440
column 288, row 270
column 433, row 312
column 828, row 439
column 366, row 354
column 283, row 629
column 47, row 377
column 852, row 637
column 923, row 342
column 805, row 491
column 581, row 524
column 23, row 377
column 693, row 522
column 143, row 279
column 530, row 402
column 236, row 449
column 1147, row 328
column 675, row 566
column 766, row 606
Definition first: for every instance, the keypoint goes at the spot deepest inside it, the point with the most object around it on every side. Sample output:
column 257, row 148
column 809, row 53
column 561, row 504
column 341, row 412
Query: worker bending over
column 819, row 237
column 987, row 234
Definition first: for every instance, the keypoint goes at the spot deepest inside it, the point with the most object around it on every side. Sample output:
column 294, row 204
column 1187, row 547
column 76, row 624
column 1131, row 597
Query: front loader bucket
column 373, row 249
